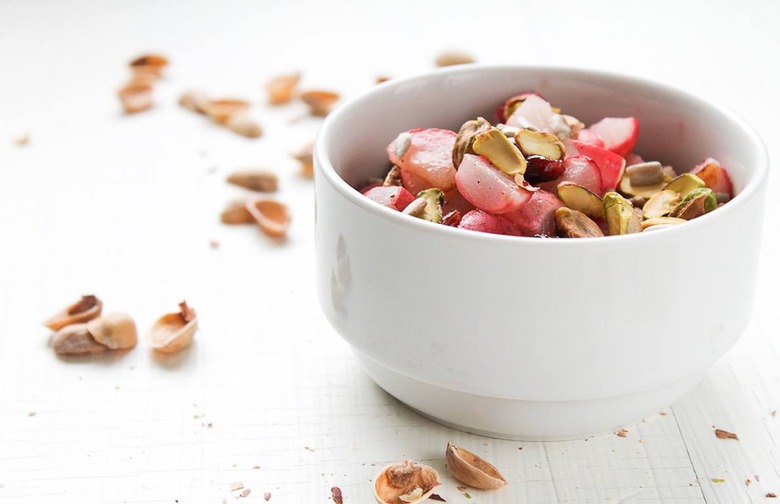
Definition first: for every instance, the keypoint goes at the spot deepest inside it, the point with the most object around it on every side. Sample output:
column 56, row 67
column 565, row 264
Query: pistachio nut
column 646, row 192
column 661, row 222
column 660, row 204
column 255, row 180
column 405, row 482
column 574, row 224
column 711, row 200
column 539, row 143
column 465, row 138
column 236, row 212
column 116, row 330
column 620, row 216
column 427, row 206
column 83, row 310
column 271, row 216
column 685, row 183
column 493, row 145
column 173, row 332
column 393, row 177
column 644, row 174
column 75, row 339
column 697, row 203
column 581, row 199
column 473, row 470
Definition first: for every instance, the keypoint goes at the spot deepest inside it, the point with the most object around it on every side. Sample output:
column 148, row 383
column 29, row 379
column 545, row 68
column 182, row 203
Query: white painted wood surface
column 269, row 395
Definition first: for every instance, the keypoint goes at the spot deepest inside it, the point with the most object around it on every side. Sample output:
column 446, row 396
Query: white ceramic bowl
column 524, row 337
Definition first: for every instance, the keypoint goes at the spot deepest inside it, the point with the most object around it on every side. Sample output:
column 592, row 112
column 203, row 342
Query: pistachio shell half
column 685, row 183
column 116, row 330
column 465, row 138
column 620, row 215
column 281, row 89
column 405, row 482
column 573, row 224
column 255, row 180
column 319, row 102
column 221, row 110
column 236, row 212
column 75, row 339
column 271, row 216
column 83, row 310
column 539, row 143
column 581, row 199
column 496, row 147
column 690, row 208
column 473, row 470
column 173, row 332
column 660, row 204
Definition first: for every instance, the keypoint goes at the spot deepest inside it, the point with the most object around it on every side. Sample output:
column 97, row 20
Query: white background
column 125, row 207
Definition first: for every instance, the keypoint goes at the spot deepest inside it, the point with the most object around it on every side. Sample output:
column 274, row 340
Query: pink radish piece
column 610, row 165
column 537, row 216
column 633, row 159
column 534, row 111
column 501, row 112
column 590, row 137
column 618, row 133
column 487, row 188
column 477, row 220
column 580, row 170
column 395, row 197
column 426, row 153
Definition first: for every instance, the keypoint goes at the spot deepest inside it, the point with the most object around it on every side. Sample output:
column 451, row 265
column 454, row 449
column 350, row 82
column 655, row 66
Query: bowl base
column 525, row 420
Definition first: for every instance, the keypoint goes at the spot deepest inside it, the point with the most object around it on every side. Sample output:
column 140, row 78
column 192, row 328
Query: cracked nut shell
column 473, row 470
column 83, row 310
column 405, row 482
column 115, row 330
column 173, row 332
column 75, row 339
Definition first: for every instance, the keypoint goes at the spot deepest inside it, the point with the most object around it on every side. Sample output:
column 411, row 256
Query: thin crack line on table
column 688, row 452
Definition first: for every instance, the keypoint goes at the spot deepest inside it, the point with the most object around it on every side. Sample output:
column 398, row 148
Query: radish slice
column 535, row 112
column 395, row 197
column 477, row 220
column 487, row 188
column 590, row 137
column 427, row 154
column 580, row 170
column 714, row 176
column 618, row 133
column 611, row 165
column 537, row 216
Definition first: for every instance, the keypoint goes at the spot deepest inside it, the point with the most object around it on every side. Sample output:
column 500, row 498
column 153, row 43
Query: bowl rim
column 324, row 168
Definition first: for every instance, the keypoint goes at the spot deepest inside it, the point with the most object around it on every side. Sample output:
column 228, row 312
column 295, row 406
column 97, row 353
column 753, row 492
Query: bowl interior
column 676, row 128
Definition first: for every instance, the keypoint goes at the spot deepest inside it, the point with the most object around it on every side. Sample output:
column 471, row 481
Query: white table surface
column 270, row 396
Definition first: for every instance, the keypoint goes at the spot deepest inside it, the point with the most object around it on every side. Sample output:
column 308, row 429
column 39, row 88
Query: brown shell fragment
column 405, row 483
column 243, row 124
column 235, row 212
column 722, row 434
column 472, row 469
column 173, row 332
column 281, row 89
column 319, row 102
column 75, row 339
column 83, row 310
column 255, row 180
column 115, row 330
column 136, row 97
column 220, row 111
column 271, row 216
column 575, row 224
column 305, row 155
column 149, row 64
column 450, row 58
column 196, row 101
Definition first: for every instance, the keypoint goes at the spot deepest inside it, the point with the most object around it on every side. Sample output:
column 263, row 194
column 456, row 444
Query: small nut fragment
column 645, row 192
column 196, row 101
column 402, row 143
column 620, row 216
column 136, row 97
column 644, row 174
column 660, row 223
column 281, row 89
column 83, row 310
column 75, row 339
column 473, row 470
column 393, row 177
column 244, row 125
column 493, row 145
column 427, row 206
column 684, row 184
column 306, row 157
column 450, row 58
column 116, row 330
column 465, row 138
column 150, row 64
column 574, row 224
column 221, row 110
column 660, row 204
column 697, row 203
column 319, row 102
column 173, row 332
column 235, row 212
column 405, row 482
column 539, row 143
column 581, row 199
column 271, row 216
column 255, row 180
